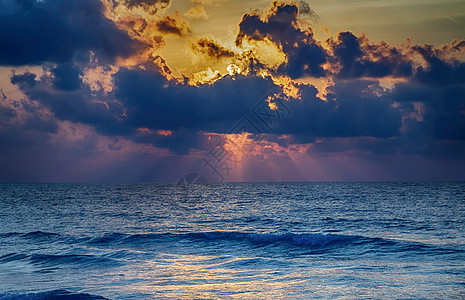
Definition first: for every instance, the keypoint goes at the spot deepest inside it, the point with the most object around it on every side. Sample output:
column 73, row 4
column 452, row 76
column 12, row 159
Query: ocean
column 378, row 240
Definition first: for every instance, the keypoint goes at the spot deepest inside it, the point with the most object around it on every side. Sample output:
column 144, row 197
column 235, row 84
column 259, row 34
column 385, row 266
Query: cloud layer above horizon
column 90, row 97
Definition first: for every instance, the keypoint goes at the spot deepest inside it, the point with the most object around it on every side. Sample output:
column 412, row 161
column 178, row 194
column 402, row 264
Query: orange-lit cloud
column 164, row 132
column 197, row 12
column 150, row 6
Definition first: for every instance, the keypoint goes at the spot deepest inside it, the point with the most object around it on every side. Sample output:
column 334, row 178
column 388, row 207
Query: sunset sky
column 149, row 90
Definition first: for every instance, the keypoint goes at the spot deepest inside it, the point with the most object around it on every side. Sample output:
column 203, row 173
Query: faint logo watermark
column 189, row 186
column 190, row 178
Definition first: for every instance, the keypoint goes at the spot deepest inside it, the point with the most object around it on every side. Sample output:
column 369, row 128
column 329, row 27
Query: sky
column 162, row 90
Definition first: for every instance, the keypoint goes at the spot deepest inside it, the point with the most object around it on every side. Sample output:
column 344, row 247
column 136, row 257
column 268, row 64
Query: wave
column 35, row 236
column 39, row 234
column 306, row 240
column 51, row 295
column 302, row 239
column 298, row 239
column 66, row 259
column 134, row 241
column 12, row 257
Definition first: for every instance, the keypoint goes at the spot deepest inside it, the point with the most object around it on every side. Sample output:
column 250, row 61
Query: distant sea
column 393, row 240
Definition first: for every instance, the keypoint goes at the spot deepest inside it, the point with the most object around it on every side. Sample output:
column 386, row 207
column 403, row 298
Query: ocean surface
column 233, row 241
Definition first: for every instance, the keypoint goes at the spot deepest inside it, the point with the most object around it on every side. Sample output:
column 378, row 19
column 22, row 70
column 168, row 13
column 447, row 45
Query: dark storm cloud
column 438, row 71
column 154, row 102
column 79, row 105
column 24, row 81
column 215, row 108
column 67, row 77
column 173, row 25
column 443, row 106
column 360, row 58
column 305, row 55
column 280, row 26
column 439, row 86
column 144, row 98
column 212, row 49
column 33, row 32
column 355, row 112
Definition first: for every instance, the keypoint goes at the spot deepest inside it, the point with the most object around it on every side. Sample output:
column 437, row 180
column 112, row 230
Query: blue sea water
column 233, row 241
